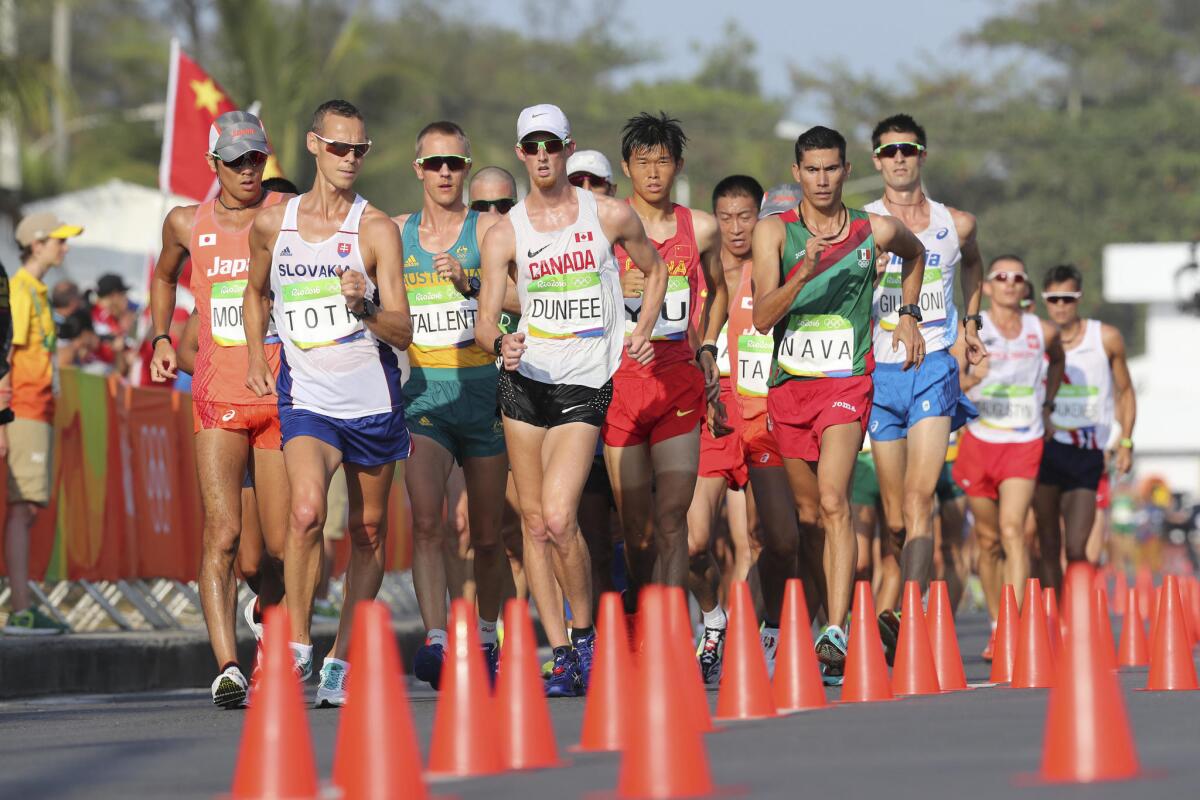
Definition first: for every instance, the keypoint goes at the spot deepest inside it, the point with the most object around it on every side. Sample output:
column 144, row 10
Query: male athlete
column 556, row 384
column 235, row 427
column 450, row 397
column 814, row 272
column 1096, row 389
column 589, row 169
column 333, row 264
column 999, row 453
column 493, row 189
column 914, row 411
column 652, row 431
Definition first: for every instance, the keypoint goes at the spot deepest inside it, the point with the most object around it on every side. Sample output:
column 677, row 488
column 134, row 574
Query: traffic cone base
column 797, row 684
column 865, row 671
column 914, row 672
column 1033, row 663
column 526, row 731
column 745, row 691
column 1004, row 654
column 1171, row 666
column 606, row 714
column 943, row 640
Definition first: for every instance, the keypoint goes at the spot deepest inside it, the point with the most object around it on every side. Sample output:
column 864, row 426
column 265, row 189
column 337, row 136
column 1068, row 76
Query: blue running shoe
column 564, row 678
column 427, row 663
column 831, row 652
column 491, row 658
column 585, row 650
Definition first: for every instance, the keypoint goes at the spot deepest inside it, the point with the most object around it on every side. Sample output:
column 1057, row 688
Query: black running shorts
column 548, row 405
column 1069, row 467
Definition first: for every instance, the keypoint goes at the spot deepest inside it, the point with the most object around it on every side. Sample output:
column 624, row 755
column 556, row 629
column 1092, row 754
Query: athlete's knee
column 808, row 511
column 308, row 512
column 1012, row 535
column 833, row 504
column 561, row 524
column 367, row 533
column 698, row 541
column 222, row 537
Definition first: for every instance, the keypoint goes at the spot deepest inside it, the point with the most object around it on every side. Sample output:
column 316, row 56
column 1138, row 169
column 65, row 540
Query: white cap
column 543, row 117
column 590, row 161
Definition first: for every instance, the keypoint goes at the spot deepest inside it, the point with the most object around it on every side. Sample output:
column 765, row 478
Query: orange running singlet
column 220, row 266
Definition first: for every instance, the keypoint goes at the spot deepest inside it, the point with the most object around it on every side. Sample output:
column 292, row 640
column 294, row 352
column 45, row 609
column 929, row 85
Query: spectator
column 43, row 242
column 113, row 322
column 65, row 300
column 78, row 344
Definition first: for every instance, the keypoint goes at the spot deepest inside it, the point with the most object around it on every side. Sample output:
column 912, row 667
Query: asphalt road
column 980, row 744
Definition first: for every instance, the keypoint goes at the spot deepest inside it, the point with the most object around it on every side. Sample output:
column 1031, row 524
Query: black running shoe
column 889, row 632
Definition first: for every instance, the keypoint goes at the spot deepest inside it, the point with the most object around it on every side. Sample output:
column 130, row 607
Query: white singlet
column 330, row 363
column 1011, row 395
column 572, row 314
column 1083, row 407
column 939, row 325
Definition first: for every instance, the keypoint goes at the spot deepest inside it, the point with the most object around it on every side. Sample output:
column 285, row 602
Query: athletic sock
column 916, row 560
column 301, row 652
column 580, row 633
column 487, row 631
column 437, row 636
column 229, row 664
column 331, row 660
column 716, row 618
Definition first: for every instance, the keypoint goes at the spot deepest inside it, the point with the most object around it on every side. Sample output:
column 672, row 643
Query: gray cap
column 235, row 133
column 781, row 198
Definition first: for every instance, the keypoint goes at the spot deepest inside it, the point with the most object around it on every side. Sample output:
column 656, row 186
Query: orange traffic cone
column 376, row 756
column 1133, row 650
column 797, row 684
column 276, row 756
column 526, row 733
column 1106, row 647
column 1171, row 666
column 665, row 757
column 1033, row 665
column 687, row 668
column 1121, row 594
column 606, row 716
column 1144, row 581
column 1007, row 631
column 944, row 640
column 1155, row 603
column 1087, row 735
column 1053, row 623
column 745, row 686
column 914, row 671
column 465, row 740
column 1185, row 598
column 866, row 673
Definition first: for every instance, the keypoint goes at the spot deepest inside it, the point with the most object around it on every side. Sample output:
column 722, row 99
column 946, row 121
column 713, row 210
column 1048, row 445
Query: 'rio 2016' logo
column 158, row 477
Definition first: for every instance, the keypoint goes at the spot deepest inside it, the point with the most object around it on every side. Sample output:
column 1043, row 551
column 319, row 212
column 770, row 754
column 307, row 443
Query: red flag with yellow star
column 194, row 100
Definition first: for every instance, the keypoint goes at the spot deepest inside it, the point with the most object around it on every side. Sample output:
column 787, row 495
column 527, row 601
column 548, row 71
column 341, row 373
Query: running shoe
column 831, row 652
column 491, row 657
column 331, row 690
column 547, row 669
column 770, row 640
column 229, row 688
column 889, row 633
column 711, row 652
column 326, row 609
column 427, row 663
column 32, row 622
column 302, row 664
column 987, row 651
column 564, row 678
column 253, row 615
column 585, row 650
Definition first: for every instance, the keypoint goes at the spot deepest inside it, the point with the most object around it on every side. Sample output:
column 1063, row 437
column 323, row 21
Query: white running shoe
column 255, row 627
column 770, row 640
column 331, row 691
column 229, row 689
column 301, row 662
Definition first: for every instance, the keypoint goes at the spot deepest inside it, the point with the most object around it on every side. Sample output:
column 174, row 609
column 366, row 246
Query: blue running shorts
column 904, row 398
column 368, row 441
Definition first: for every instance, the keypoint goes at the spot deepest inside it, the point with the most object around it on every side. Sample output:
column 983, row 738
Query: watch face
column 474, row 284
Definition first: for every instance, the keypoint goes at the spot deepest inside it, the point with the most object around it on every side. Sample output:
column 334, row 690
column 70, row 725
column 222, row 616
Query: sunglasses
column 502, row 206
column 435, row 163
column 908, row 149
column 551, row 146
column 340, row 149
column 585, row 179
column 1062, row 297
column 253, row 159
column 1008, row 277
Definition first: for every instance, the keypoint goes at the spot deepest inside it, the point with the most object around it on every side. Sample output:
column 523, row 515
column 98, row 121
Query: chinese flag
column 194, row 100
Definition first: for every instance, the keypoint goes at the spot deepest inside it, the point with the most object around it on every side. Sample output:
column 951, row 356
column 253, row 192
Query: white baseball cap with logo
column 592, row 162
column 543, row 117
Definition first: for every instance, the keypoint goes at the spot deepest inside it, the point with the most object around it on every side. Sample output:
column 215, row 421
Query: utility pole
column 60, row 54
column 10, row 145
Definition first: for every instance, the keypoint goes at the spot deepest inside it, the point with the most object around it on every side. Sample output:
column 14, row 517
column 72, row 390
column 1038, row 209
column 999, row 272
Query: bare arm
column 1054, row 372
column 621, row 225
column 259, row 376
column 392, row 323
column 971, row 270
column 1126, row 399
column 497, row 254
column 772, row 301
column 189, row 344
column 893, row 236
column 175, row 240
column 716, row 299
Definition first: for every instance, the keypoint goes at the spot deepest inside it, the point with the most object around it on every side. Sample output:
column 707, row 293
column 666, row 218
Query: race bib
column 1007, row 407
column 932, row 300
column 226, row 314
column 442, row 318
column 818, row 346
column 565, row 306
column 673, row 321
column 1076, row 407
column 315, row 314
column 754, row 364
column 723, row 351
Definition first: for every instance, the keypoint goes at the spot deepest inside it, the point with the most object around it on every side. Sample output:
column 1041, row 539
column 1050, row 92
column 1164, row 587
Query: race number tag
column 1011, row 408
column 672, row 323
column 818, row 346
column 442, row 317
column 226, row 313
column 315, row 314
column 565, row 306
column 754, row 364
column 932, row 300
column 1076, row 407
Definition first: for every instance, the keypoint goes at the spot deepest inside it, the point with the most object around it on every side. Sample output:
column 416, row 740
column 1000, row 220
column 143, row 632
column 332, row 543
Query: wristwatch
column 496, row 344
column 369, row 310
column 472, row 291
column 976, row 318
column 707, row 348
column 912, row 309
